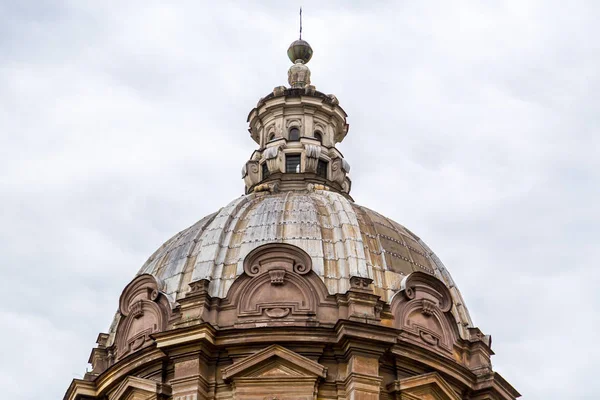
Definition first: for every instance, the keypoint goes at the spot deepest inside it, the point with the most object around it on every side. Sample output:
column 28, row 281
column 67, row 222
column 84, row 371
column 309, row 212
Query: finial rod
column 300, row 23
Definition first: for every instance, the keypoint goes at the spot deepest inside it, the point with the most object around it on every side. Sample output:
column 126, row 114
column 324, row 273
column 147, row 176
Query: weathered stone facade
column 293, row 291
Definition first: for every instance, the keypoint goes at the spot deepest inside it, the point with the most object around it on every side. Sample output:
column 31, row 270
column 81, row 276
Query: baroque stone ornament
column 293, row 291
column 277, row 287
column 360, row 283
column 275, row 372
column 422, row 312
column 273, row 157
column 313, row 153
column 299, row 75
column 144, row 310
column 251, row 173
column 339, row 169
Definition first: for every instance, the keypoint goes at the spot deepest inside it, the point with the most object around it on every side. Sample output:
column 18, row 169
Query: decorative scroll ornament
column 339, row 170
column 422, row 312
column 144, row 311
column 250, row 173
column 277, row 285
column 312, row 157
column 277, row 257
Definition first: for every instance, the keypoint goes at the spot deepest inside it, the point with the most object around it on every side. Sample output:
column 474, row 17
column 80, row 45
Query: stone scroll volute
column 421, row 310
column 144, row 310
column 250, row 173
column 278, row 287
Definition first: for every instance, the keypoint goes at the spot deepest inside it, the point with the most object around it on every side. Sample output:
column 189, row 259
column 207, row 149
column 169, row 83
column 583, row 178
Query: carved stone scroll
column 422, row 310
column 250, row 173
column 339, row 169
column 278, row 287
column 144, row 310
column 277, row 256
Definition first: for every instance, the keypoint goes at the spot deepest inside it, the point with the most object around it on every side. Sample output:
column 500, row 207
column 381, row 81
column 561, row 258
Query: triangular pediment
column 427, row 386
column 272, row 362
column 133, row 388
column 276, row 367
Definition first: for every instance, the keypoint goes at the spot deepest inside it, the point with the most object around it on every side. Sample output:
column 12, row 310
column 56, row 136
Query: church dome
column 293, row 290
column 342, row 238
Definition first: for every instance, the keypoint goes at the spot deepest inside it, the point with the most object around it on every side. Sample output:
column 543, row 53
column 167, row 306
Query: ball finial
column 300, row 50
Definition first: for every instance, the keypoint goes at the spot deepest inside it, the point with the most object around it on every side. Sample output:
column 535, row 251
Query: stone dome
column 293, row 290
column 342, row 238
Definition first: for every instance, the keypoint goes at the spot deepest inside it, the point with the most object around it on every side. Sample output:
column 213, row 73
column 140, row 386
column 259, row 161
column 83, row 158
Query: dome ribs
column 186, row 274
column 459, row 310
column 169, row 263
column 374, row 253
column 212, row 238
column 342, row 238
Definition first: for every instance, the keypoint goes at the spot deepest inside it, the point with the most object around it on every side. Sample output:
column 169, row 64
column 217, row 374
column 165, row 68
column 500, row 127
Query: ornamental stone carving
column 426, row 386
column 347, row 185
column 144, row 310
column 299, row 75
column 277, row 256
column 134, row 388
column 273, row 155
column 278, row 288
column 251, row 173
column 312, row 153
column 293, row 291
column 422, row 311
column 339, row 169
column 275, row 373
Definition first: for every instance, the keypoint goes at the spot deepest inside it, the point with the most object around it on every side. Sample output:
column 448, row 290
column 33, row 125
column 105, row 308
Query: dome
column 342, row 238
column 293, row 290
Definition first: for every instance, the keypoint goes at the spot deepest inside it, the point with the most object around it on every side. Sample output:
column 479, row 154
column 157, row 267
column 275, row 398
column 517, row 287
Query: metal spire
column 300, row 23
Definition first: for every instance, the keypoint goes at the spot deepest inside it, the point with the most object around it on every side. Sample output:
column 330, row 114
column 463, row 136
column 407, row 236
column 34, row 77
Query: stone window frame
column 320, row 134
column 296, row 128
column 299, row 166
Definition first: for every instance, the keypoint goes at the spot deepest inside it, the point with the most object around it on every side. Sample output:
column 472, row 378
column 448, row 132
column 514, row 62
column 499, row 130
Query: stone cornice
column 127, row 366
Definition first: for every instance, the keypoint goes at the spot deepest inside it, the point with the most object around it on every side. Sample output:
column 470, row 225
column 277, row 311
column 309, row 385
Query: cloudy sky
column 475, row 124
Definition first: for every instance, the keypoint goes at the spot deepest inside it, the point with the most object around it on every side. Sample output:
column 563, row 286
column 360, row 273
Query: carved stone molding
column 360, row 283
column 432, row 289
column 277, row 256
column 273, row 156
column 199, row 287
column 144, row 310
column 347, row 185
column 339, row 169
column 277, row 276
column 277, row 285
column 251, row 173
column 427, row 386
column 134, row 388
column 293, row 122
column 313, row 153
column 275, row 372
column 422, row 312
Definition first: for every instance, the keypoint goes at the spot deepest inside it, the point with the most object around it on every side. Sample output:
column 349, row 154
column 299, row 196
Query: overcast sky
column 474, row 124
